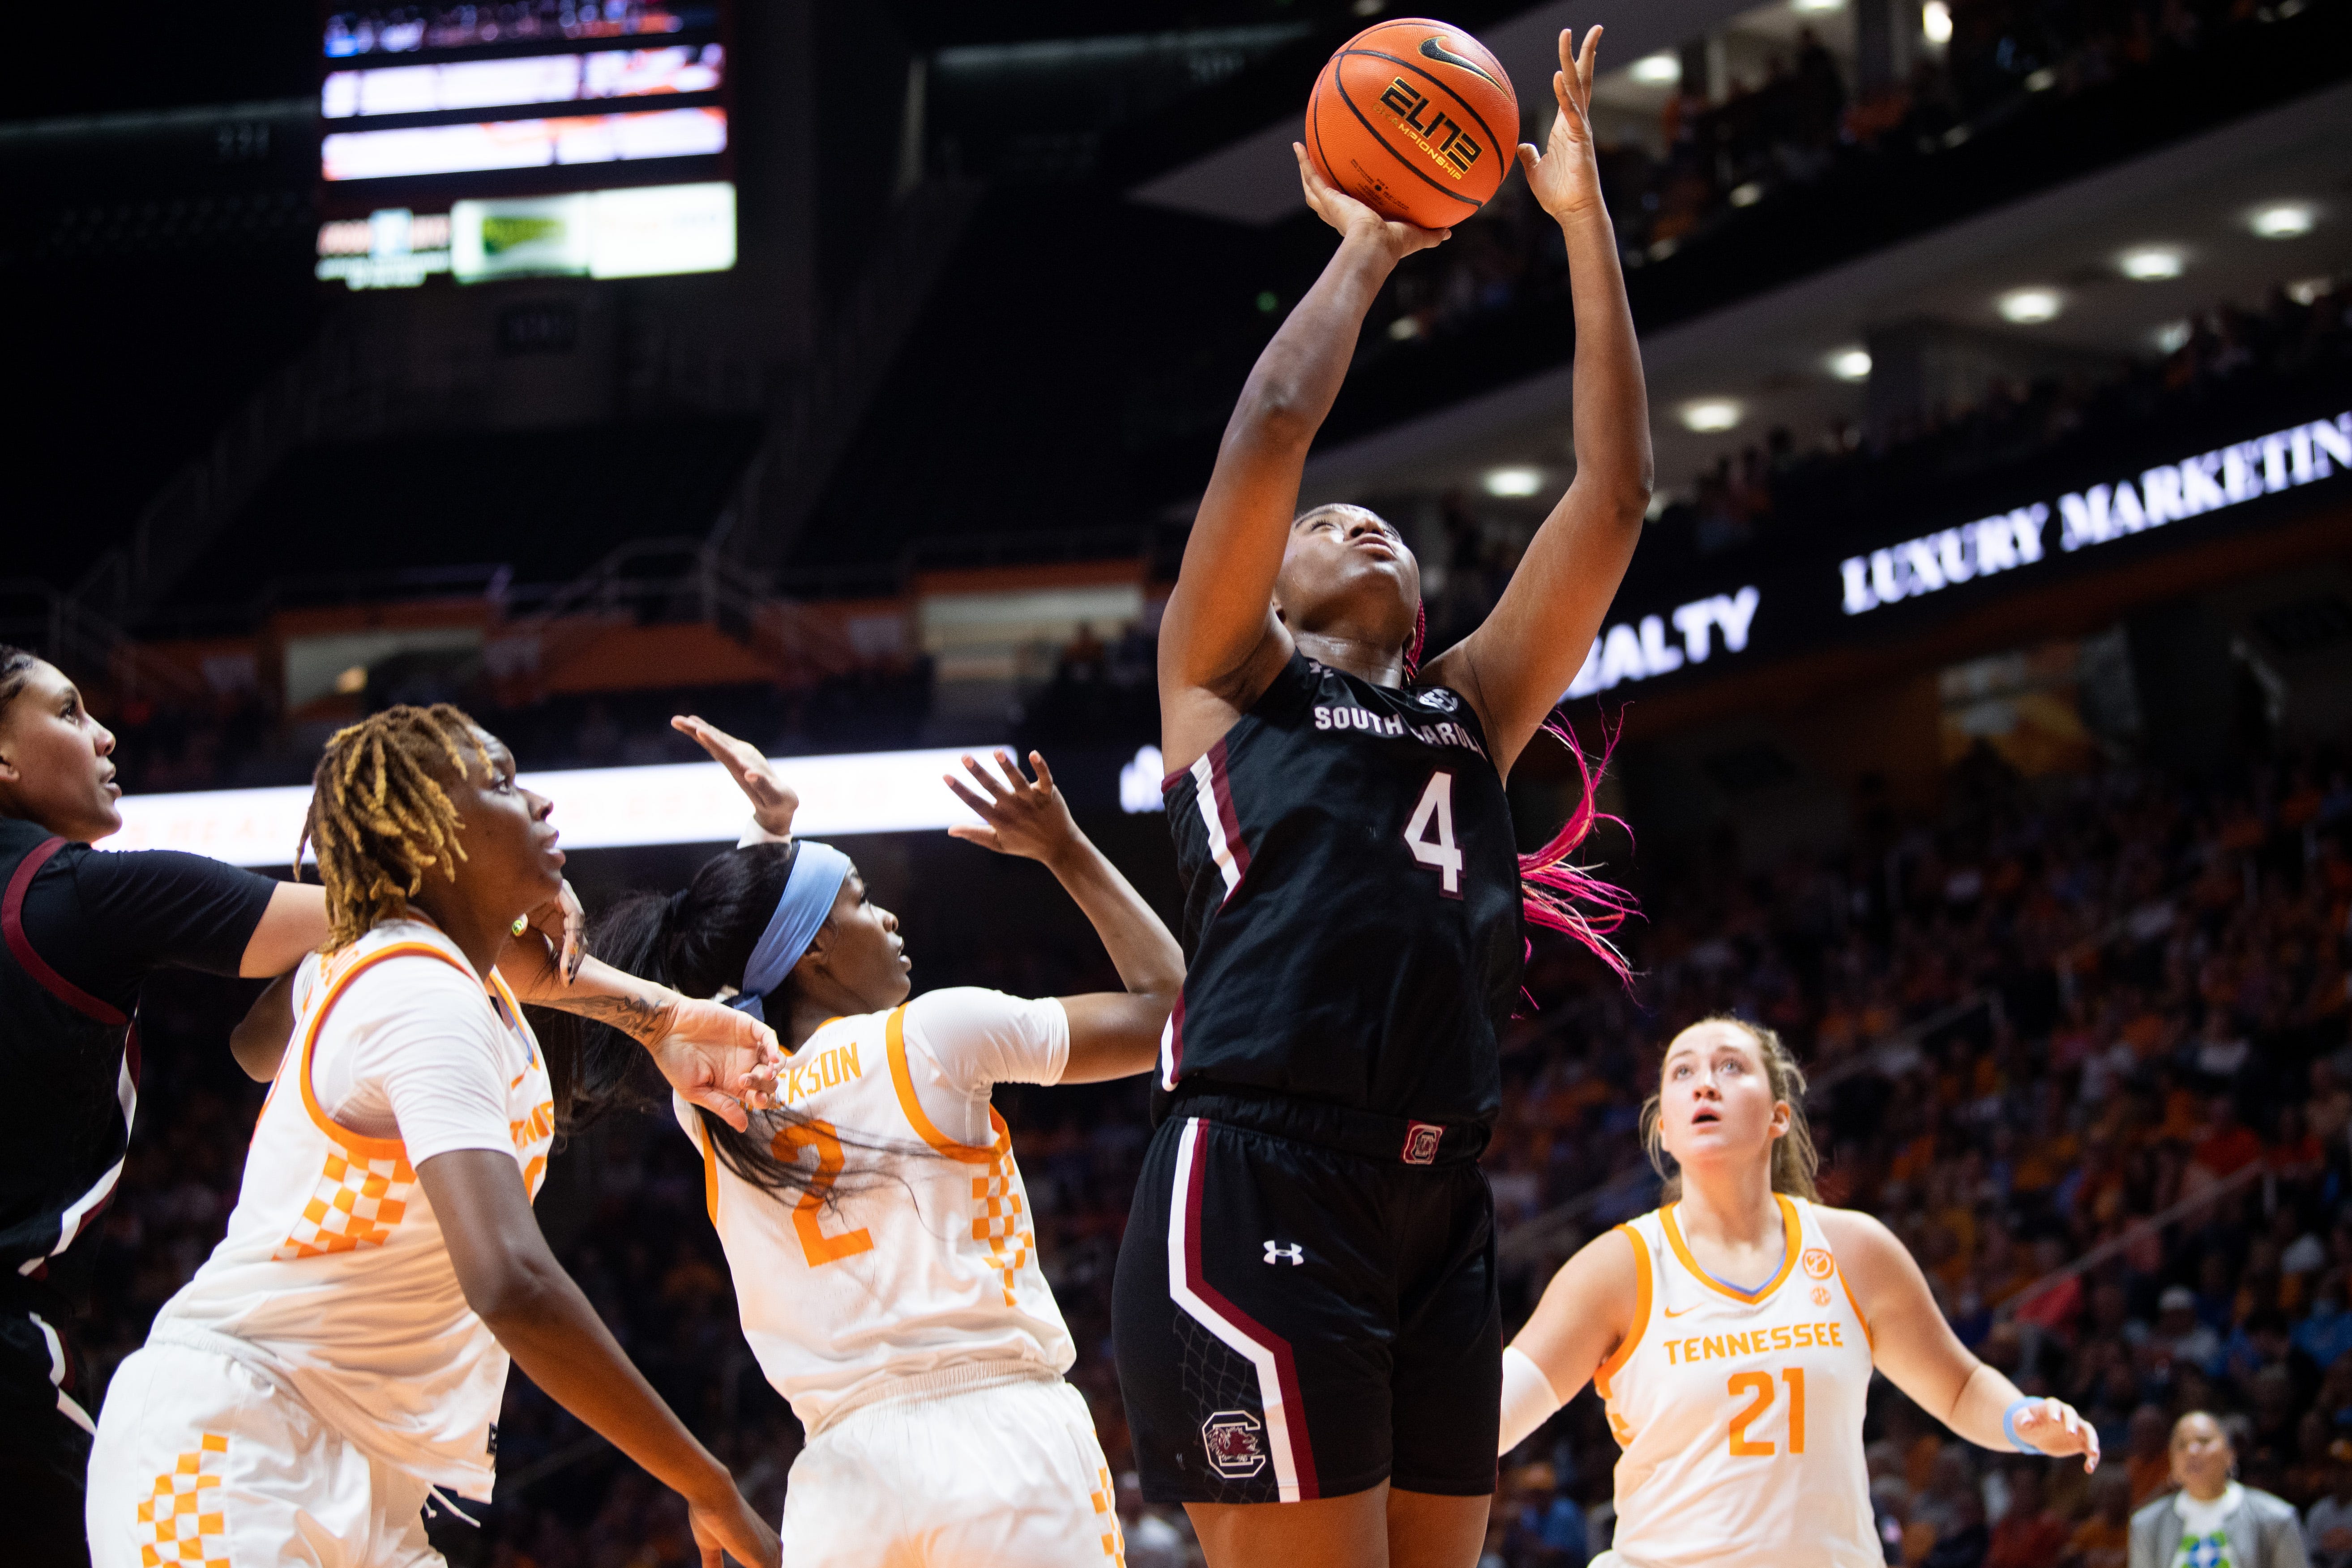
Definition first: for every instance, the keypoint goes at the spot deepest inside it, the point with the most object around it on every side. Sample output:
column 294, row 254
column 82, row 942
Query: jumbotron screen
column 597, row 128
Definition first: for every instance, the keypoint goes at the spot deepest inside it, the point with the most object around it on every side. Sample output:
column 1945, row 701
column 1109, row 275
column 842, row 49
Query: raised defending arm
column 1113, row 1034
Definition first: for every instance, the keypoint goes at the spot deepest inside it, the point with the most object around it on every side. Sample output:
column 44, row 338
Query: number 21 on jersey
column 1429, row 834
column 1759, row 1384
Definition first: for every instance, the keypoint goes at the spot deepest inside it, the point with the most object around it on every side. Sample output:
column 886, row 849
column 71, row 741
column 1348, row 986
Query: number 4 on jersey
column 1429, row 834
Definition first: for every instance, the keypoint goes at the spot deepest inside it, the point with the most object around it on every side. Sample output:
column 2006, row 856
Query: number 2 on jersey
column 1434, row 817
column 1760, row 1383
column 808, row 1215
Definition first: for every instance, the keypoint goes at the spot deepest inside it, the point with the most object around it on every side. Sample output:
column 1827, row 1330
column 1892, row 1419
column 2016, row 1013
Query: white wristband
column 755, row 834
column 1529, row 1399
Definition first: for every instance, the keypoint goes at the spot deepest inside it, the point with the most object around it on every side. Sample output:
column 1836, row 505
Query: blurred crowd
column 2294, row 336
column 1799, row 125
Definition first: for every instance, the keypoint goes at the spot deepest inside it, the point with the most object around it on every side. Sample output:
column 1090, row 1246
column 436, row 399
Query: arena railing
column 88, row 646
column 814, row 416
column 2133, row 1234
column 204, row 497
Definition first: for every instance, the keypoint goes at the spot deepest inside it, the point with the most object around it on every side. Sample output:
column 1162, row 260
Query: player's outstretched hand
column 2054, row 1427
column 1030, row 820
column 725, row 1522
column 773, row 802
column 1350, row 216
column 564, row 923
column 724, row 1060
column 1565, row 177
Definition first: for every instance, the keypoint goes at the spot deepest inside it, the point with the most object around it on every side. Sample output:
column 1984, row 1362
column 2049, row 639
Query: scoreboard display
column 528, row 138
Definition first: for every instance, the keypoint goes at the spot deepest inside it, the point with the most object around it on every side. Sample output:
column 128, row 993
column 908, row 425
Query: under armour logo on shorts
column 1294, row 1253
column 1235, row 1442
column 1420, row 1143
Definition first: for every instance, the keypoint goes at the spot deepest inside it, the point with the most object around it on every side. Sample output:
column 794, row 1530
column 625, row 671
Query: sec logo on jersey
column 1818, row 1262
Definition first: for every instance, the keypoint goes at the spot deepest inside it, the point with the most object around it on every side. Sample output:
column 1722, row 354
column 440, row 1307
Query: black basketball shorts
column 1306, row 1306
column 44, row 1440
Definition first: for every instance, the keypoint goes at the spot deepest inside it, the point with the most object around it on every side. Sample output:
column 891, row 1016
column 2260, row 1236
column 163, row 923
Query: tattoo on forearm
column 639, row 1019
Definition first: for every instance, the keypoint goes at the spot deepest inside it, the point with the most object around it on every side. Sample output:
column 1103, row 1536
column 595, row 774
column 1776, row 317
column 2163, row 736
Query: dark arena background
column 1981, row 687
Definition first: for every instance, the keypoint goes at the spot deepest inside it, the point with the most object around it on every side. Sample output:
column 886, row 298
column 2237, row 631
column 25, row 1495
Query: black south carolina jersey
column 1352, row 902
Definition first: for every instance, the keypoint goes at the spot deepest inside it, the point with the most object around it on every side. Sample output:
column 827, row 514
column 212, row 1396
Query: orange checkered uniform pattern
column 355, row 1205
column 1000, row 1222
column 184, row 1511
column 1114, row 1543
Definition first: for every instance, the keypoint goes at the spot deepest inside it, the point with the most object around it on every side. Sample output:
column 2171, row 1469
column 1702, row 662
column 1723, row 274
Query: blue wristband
column 2008, row 1426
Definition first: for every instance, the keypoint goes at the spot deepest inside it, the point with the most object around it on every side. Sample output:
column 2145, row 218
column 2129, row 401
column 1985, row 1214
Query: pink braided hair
column 1571, row 899
column 1554, row 894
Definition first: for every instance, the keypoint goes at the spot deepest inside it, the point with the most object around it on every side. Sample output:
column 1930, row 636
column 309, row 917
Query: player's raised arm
column 1516, row 666
column 1219, row 637
column 1113, row 1034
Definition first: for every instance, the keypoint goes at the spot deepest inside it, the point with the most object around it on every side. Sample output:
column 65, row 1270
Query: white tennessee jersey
column 911, row 1264
column 334, row 1279
column 1740, row 1412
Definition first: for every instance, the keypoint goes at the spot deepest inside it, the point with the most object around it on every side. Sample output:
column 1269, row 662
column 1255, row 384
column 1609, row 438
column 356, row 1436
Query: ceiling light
column 2150, row 263
column 1661, row 69
column 2171, row 336
column 2285, row 220
column 1747, row 195
column 2308, row 290
column 2027, row 305
column 1513, row 482
column 1813, row 7
column 1935, row 22
column 2041, row 80
column 1711, row 414
column 1404, row 329
column 1851, row 364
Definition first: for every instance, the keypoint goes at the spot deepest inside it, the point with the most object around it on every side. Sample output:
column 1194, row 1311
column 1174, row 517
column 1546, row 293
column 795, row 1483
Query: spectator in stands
column 2328, row 1523
column 2104, row 1539
column 2149, row 1460
column 1548, row 1529
column 2326, row 1334
column 2030, row 1535
column 2213, row 1520
column 2179, row 1336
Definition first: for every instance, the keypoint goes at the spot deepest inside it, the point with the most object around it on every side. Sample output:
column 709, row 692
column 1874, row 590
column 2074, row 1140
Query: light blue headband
column 818, row 871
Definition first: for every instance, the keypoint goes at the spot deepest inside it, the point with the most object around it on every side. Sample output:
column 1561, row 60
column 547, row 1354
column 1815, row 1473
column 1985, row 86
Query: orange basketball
column 1416, row 119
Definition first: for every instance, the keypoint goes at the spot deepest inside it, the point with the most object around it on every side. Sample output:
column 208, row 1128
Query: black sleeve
column 129, row 912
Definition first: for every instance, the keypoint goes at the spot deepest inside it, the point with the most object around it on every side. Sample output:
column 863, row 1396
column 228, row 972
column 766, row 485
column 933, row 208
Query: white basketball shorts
column 1008, row 1475
column 196, row 1449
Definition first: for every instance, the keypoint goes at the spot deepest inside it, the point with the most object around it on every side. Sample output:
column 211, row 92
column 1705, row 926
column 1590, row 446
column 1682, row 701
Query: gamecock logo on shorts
column 1235, row 1441
column 1420, row 1143
column 1818, row 1262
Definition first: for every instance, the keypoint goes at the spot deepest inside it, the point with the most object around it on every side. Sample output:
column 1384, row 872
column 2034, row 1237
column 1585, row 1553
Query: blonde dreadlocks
column 380, row 817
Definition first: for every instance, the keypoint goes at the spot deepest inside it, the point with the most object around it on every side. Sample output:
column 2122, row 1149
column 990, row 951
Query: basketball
column 1416, row 119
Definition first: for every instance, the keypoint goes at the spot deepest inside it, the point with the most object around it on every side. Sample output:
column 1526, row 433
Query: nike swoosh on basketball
column 1432, row 49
